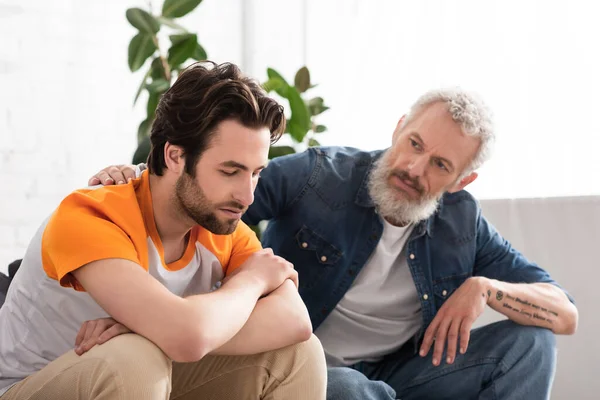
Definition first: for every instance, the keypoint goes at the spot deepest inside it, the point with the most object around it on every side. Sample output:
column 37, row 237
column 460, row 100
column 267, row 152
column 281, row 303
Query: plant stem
column 164, row 62
column 166, row 68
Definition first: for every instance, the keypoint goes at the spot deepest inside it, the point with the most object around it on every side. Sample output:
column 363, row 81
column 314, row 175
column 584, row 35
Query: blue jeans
column 504, row 360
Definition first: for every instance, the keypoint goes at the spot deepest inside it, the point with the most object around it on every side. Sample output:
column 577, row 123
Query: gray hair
column 468, row 110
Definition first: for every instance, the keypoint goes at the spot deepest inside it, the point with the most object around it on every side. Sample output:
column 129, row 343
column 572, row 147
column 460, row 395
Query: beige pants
column 130, row 367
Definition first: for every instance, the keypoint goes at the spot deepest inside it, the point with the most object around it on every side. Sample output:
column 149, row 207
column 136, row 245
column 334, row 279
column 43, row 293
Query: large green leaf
column 180, row 37
column 141, row 153
column 153, row 99
column 140, row 48
column 278, row 151
column 170, row 23
column 282, row 90
column 183, row 47
column 158, row 86
column 275, row 84
column 302, row 80
column 271, row 73
column 144, row 129
column 178, row 8
column 142, row 20
column 199, row 53
column 300, row 118
column 296, row 131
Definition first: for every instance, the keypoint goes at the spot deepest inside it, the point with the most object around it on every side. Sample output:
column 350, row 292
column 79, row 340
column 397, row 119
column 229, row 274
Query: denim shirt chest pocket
column 319, row 255
column 453, row 258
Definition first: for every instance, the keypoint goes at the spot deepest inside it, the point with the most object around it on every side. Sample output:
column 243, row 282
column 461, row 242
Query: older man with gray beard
column 396, row 262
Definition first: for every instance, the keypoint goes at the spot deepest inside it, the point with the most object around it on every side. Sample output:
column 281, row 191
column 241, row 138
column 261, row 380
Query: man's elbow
column 569, row 322
column 302, row 328
column 572, row 321
column 189, row 347
column 304, row 331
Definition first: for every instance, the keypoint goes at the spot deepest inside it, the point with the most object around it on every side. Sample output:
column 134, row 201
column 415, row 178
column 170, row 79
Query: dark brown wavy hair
column 204, row 95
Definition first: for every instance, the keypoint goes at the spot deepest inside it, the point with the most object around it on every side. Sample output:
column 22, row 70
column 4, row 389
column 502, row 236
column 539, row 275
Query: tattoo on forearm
column 534, row 315
column 537, row 316
column 526, row 313
column 524, row 302
column 489, row 293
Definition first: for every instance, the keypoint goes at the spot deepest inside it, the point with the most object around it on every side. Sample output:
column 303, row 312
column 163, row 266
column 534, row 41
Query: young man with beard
column 396, row 262
column 149, row 254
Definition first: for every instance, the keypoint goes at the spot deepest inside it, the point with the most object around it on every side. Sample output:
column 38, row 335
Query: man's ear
column 398, row 128
column 174, row 159
column 460, row 185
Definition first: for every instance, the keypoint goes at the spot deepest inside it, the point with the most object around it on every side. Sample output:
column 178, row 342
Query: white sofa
column 561, row 235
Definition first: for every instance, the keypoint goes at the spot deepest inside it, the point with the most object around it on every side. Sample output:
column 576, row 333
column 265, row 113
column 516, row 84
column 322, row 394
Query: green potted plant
column 301, row 126
column 162, row 68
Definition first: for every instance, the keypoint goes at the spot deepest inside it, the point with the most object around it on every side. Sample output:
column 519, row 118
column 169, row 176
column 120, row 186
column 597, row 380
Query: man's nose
column 416, row 167
column 245, row 192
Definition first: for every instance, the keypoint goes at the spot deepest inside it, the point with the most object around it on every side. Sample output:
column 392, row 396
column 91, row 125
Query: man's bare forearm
column 185, row 329
column 223, row 313
column 278, row 320
column 538, row 304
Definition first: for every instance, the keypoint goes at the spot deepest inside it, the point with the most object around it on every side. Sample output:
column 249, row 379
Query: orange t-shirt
column 118, row 222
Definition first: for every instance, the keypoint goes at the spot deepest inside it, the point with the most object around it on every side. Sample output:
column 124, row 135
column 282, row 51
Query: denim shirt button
column 425, row 297
column 444, row 292
column 304, row 245
column 412, row 256
column 323, row 258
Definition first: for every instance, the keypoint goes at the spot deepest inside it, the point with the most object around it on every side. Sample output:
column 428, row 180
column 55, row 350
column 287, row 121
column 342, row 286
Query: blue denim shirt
column 323, row 220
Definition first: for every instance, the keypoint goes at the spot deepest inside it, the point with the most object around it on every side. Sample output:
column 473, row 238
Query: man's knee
column 304, row 362
column 312, row 348
column 532, row 339
column 528, row 344
column 310, row 354
column 134, row 360
column 130, row 348
column 126, row 367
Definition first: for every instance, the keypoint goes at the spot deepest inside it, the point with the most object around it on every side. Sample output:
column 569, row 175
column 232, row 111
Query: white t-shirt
column 380, row 311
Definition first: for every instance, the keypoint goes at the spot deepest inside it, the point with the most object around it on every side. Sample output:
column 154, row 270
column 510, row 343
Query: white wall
column 533, row 61
column 66, row 97
column 66, row 91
